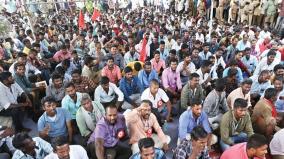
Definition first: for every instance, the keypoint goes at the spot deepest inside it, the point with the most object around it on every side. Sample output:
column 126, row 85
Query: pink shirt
column 59, row 56
column 171, row 79
column 237, row 151
column 114, row 75
column 158, row 65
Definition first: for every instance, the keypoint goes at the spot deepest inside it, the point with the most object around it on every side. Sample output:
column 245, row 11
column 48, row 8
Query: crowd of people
column 108, row 89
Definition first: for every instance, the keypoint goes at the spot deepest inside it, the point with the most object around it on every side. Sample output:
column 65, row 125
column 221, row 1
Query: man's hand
column 165, row 147
column 46, row 130
column 7, row 132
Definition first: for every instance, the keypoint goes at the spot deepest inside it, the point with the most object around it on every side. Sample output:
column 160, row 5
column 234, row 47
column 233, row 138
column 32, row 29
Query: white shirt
column 9, row 96
column 190, row 67
column 202, row 77
column 104, row 97
column 199, row 37
column 75, row 152
column 277, row 143
column 262, row 65
column 158, row 100
column 29, row 67
column 129, row 58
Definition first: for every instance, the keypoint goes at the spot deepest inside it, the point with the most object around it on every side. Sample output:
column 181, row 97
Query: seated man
column 277, row 145
column 195, row 147
column 56, row 88
column 191, row 90
column 141, row 123
column 62, row 54
column 54, row 122
column 89, row 71
column 235, row 125
column 147, row 74
column 88, row 115
column 215, row 104
column 131, row 89
column 30, row 69
column 82, row 83
column 108, row 93
column 158, row 64
column 192, row 118
column 158, row 96
column 256, row 147
column 62, row 149
column 264, row 114
column 185, row 68
column 109, row 138
column 205, row 74
column 171, row 81
column 10, row 103
column 260, row 83
column 234, row 65
column 28, row 147
column 231, row 81
column 148, row 151
column 242, row 92
column 72, row 100
column 6, row 138
column 112, row 71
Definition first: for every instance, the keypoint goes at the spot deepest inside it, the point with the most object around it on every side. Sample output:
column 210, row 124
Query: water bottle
column 165, row 126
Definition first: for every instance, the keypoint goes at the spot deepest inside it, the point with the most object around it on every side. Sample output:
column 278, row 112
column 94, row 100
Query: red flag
column 81, row 21
column 96, row 14
column 143, row 50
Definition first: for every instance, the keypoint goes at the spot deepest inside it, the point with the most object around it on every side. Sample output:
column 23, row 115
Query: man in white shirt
column 277, row 145
column 185, row 68
column 9, row 105
column 63, row 150
column 106, row 93
column 266, row 63
column 30, row 69
column 158, row 96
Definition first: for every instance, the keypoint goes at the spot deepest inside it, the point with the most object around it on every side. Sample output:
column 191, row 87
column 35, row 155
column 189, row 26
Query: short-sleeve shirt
column 58, row 127
column 9, row 95
column 108, row 132
column 69, row 104
column 158, row 100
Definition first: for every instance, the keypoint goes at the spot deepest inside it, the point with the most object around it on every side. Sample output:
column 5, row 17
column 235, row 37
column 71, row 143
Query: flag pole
column 211, row 19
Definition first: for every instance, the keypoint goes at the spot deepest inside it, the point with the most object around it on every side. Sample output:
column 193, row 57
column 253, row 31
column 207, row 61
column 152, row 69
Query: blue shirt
column 145, row 79
column 239, row 74
column 69, row 104
column 164, row 54
column 42, row 150
column 187, row 122
column 159, row 154
column 129, row 88
column 58, row 127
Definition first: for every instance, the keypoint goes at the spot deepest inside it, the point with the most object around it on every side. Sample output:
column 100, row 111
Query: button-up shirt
column 171, row 79
column 85, row 86
column 130, row 87
column 70, row 105
column 163, row 54
column 9, row 95
column 158, row 65
column 43, row 149
column 257, row 87
column 277, row 143
column 250, row 63
column 129, row 58
column 108, row 132
column 184, row 150
column 114, row 74
column 139, row 127
column 145, row 78
column 262, row 65
column 205, row 56
column 237, row 93
column 187, row 122
column 75, row 152
column 24, row 83
column 190, row 67
column 238, row 151
column 57, row 94
column 58, row 127
column 105, row 97
column 29, row 68
column 159, row 98
column 86, row 120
